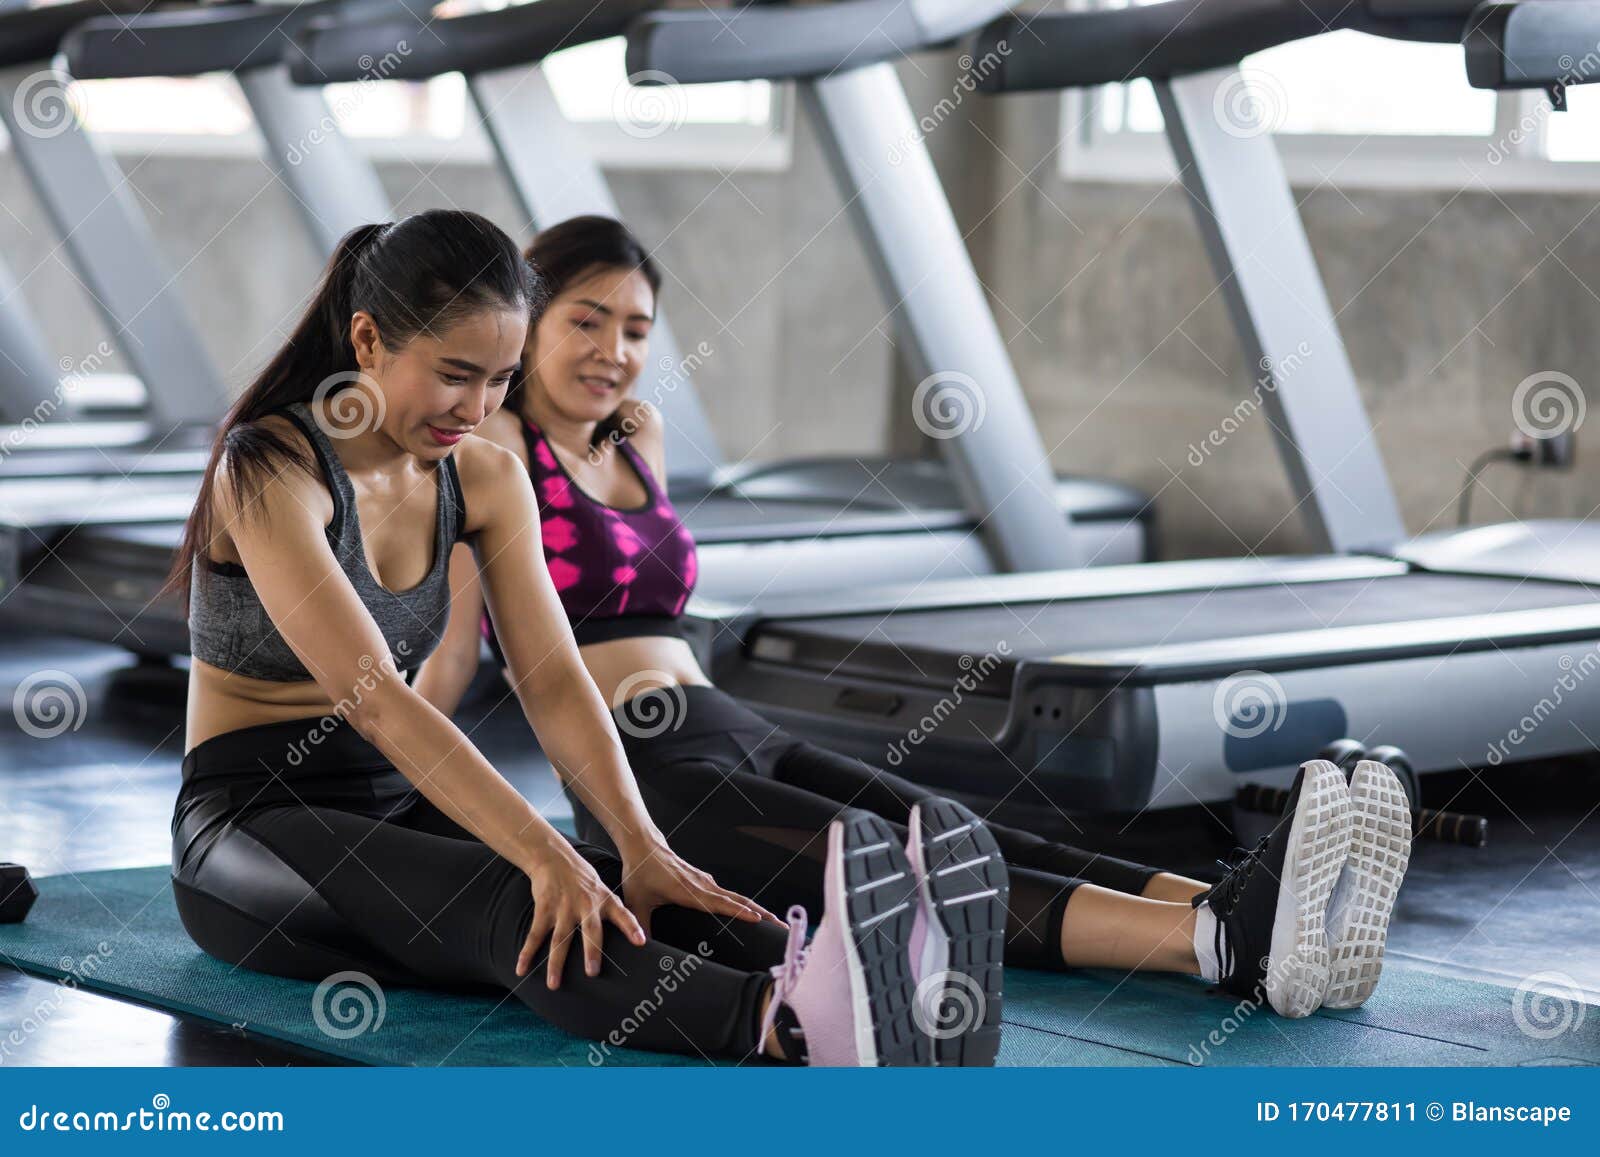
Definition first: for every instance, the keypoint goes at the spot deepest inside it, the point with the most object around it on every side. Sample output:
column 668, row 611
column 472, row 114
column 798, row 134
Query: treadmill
column 124, row 560
column 86, row 555
column 1522, row 44
column 769, row 529
column 1132, row 688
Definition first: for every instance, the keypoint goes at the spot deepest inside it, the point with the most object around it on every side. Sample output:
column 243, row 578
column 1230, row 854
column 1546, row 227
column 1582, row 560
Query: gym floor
column 99, row 795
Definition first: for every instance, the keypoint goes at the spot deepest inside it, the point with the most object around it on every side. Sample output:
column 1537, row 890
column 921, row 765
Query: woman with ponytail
column 756, row 804
column 331, row 820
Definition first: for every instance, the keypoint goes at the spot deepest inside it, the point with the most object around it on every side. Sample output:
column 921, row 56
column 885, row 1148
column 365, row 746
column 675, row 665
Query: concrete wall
column 1448, row 300
column 762, row 266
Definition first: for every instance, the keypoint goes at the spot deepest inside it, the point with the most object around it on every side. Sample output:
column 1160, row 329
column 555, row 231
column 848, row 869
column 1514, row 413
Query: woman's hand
column 653, row 875
column 568, row 897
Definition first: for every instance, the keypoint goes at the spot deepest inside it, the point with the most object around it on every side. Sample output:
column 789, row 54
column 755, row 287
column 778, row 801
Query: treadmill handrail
column 784, row 42
column 1056, row 50
column 1532, row 44
column 332, row 51
column 232, row 37
column 34, row 35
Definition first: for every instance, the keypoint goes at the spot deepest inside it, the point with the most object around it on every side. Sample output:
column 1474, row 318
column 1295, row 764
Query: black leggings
column 741, row 798
column 300, row 851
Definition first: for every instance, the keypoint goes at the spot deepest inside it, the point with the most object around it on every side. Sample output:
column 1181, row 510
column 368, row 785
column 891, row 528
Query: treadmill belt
column 874, row 642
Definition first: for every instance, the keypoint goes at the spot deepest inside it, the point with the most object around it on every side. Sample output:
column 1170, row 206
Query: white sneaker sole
column 936, row 942
column 1380, row 850
column 1319, row 845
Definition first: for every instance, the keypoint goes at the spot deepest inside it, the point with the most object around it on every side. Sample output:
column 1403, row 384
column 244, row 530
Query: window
column 589, row 81
column 1358, row 110
column 726, row 125
column 1573, row 136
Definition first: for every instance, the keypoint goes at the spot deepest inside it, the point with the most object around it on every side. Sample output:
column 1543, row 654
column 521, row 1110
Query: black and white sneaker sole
column 877, row 895
column 964, row 889
column 1318, row 846
column 1380, row 850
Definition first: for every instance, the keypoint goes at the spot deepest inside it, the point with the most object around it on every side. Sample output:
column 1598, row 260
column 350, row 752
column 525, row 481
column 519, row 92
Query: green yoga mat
column 1053, row 1019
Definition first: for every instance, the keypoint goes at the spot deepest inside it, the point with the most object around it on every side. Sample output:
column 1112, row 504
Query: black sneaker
column 1270, row 907
column 958, row 938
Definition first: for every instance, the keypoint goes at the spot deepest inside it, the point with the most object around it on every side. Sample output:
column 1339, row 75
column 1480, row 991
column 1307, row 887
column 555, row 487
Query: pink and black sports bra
column 620, row 573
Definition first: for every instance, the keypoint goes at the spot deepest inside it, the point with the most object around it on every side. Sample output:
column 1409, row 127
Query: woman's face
column 593, row 341
column 438, row 388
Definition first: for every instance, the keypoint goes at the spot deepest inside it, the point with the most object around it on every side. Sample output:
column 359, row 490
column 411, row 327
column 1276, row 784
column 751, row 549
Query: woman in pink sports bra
column 754, row 804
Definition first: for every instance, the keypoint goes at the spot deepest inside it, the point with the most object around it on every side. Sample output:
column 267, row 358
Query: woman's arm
column 564, row 707
column 449, row 671
column 282, row 545
column 280, row 540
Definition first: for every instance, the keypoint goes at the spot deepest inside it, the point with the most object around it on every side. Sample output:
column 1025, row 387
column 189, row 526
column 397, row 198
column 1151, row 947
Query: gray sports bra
column 230, row 629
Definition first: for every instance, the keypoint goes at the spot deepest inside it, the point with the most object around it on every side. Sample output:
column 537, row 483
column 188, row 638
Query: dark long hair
column 418, row 275
column 565, row 254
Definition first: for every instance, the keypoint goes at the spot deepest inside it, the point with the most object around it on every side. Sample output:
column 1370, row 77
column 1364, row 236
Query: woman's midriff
column 623, row 668
column 220, row 701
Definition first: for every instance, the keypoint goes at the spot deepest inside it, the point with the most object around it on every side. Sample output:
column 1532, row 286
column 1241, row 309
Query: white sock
column 1205, row 943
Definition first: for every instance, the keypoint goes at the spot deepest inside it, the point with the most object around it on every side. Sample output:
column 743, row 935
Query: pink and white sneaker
column 846, row 1000
column 958, row 938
